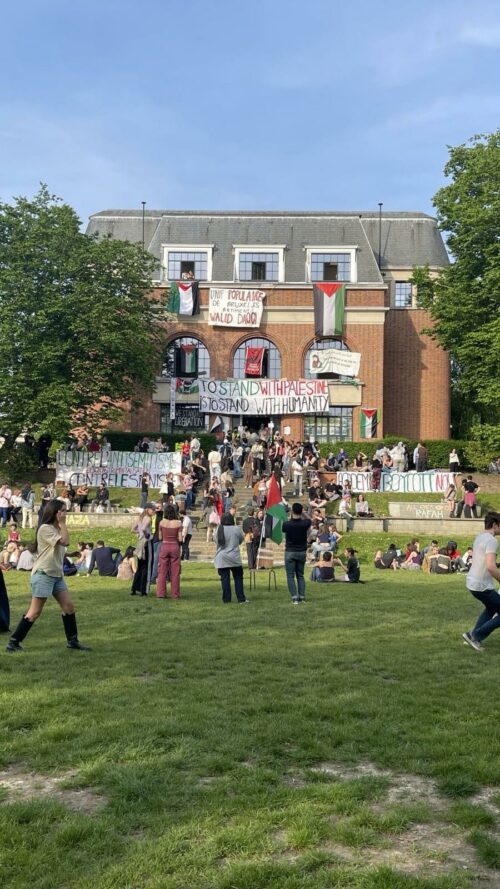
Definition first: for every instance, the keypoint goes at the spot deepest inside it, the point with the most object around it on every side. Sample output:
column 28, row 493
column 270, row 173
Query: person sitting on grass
column 388, row 559
column 102, row 557
column 351, row 568
column 128, row 565
column 27, row 557
column 412, row 560
column 323, row 572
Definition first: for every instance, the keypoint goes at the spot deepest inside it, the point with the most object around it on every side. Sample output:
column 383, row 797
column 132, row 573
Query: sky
column 269, row 105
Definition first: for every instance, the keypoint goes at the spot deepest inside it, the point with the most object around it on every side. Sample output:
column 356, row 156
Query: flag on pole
column 329, row 301
column 273, row 493
column 183, row 298
column 216, row 425
column 277, row 515
column 188, row 360
column 368, row 422
column 253, row 360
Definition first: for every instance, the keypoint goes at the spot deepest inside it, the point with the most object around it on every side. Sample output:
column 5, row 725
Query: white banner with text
column 398, row 482
column 334, row 361
column 116, row 469
column 264, row 397
column 231, row 307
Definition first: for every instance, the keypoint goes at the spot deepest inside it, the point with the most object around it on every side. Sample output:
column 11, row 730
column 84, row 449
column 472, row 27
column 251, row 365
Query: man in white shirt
column 483, row 572
column 187, row 533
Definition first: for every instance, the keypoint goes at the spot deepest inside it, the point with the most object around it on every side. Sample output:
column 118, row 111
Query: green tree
column 464, row 300
column 78, row 334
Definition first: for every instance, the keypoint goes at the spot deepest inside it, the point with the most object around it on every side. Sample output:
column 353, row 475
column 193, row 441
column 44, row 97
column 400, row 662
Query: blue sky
column 230, row 105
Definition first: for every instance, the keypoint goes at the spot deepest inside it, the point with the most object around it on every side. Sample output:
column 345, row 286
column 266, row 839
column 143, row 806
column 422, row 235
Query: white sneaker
column 469, row 640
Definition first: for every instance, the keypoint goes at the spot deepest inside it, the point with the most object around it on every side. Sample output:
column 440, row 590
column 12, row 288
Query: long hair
column 170, row 513
column 51, row 510
column 226, row 520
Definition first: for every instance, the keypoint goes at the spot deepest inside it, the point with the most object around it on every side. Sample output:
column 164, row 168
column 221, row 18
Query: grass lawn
column 348, row 742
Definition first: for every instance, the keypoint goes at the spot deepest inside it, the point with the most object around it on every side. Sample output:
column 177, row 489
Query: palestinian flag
column 186, row 387
column 275, row 516
column 329, row 300
column 273, row 493
column 183, row 298
column 188, row 360
column 368, row 422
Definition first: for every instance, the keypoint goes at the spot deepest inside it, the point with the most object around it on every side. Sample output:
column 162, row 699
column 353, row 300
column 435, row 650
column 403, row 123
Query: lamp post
column 143, row 221
column 380, row 205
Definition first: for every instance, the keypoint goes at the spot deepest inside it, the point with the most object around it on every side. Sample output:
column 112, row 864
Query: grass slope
column 238, row 747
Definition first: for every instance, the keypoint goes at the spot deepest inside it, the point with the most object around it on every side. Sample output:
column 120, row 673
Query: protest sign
column 334, row 361
column 231, row 307
column 265, row 397
column 116, row 469
column 398, row 482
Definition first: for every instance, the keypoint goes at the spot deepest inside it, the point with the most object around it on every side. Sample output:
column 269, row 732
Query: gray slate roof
column 408, row 239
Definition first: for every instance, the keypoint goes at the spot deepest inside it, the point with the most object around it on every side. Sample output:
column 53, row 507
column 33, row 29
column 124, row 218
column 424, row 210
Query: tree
column 464, row 300
column 78, row 333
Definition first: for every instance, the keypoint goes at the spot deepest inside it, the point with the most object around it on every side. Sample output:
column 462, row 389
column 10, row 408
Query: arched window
column 271, row 365
column 317, row 347
column 186, row 357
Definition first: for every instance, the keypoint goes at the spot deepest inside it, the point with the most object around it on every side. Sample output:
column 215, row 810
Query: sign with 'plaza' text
column 234, row 307
column 266, row 397
column 116, row 469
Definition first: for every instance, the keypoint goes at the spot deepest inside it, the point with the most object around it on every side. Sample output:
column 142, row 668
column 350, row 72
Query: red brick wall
column 417, row 378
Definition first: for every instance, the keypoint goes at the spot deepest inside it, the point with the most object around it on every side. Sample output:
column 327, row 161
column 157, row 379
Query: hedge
column 439, row 449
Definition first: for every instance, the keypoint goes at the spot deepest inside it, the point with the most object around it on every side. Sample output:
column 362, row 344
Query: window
column 259, row 263
column 182, row 259
column 336, row 425
column 317, row 346
column 173, row 364
column 331, row 264
column 272, row 359
column 402, row 294
column 258, row 267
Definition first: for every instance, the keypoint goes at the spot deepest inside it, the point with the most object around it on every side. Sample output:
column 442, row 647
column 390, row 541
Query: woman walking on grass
column 228, row 558
column 47, row 578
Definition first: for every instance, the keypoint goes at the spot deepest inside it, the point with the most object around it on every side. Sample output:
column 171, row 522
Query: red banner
column 253, row 361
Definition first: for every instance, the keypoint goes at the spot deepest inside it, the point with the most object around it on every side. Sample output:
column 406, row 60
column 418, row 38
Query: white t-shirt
column 479, row 578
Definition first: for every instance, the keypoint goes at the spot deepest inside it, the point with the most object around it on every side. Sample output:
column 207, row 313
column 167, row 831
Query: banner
column 185, row 387
column 230, row 307
column 334, row 361
column 264, row 397
column 188, row 360
column 117, row 469
column 188, row 417
column 329, row 300
column 254, row 359
column 173, row 393
column 398, row 482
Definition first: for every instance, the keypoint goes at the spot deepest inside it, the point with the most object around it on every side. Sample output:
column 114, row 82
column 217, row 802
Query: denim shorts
column 43, row 586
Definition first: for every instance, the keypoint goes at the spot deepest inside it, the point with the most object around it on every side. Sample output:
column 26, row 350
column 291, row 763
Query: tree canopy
column 464, row 300
column 77, row 330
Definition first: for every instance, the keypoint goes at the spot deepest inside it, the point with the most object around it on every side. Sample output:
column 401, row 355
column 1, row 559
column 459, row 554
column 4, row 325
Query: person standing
column 453, row 461
column 27, row 505
column 228, row 558
column 482, row 573
column 144, row 489
column 47, row 579
column 144, row 552
column 187, row 533
column 295, row 531
column 169, row 562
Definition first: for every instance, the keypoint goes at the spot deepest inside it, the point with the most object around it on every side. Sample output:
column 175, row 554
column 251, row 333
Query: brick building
column 403, row 374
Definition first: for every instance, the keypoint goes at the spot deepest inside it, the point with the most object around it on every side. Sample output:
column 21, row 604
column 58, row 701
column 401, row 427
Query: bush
column 439, row 449
column 17, row 462
column 484, row 445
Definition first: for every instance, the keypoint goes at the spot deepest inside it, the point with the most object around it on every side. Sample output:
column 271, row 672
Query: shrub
column 484, row 445
column 17, row 462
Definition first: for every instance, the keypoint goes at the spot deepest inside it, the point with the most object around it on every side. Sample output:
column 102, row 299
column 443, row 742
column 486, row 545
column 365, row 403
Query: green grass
column 206, row 729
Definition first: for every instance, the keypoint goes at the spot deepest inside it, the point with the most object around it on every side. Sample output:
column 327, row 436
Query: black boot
column 21, row 631
column 69, row 621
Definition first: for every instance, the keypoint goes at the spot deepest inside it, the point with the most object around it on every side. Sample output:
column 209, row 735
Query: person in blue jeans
column 480, row 581
column 295, row 531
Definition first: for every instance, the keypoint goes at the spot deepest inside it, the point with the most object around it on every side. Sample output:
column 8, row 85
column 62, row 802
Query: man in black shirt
column 295, row 532
column 102, row 558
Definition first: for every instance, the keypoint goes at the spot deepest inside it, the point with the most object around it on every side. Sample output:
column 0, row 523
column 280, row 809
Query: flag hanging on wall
column 369, row 422
column 329, row 300
column 183, row 298
column 188, row 360
column 253, row 360
column 187, row 387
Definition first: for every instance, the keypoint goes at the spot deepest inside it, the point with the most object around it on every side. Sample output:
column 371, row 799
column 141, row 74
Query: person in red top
column 93, row 446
